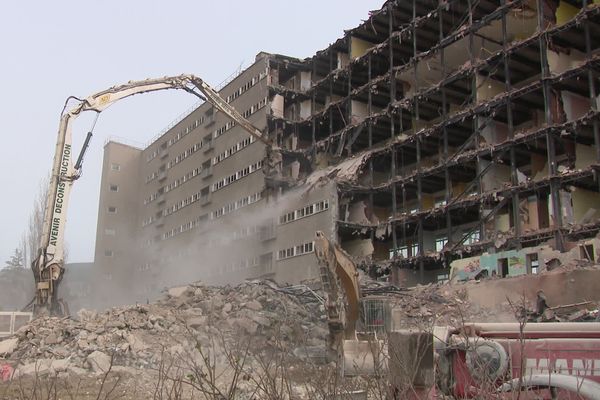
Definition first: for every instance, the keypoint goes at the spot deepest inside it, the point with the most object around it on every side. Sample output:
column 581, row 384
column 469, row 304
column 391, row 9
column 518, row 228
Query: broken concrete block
column 176, row 349
column 115, row 324
column 43, row 367
column 249, row 326
column 197, row 322
column 254, row 305
column 53, row 338
column 261, row 320
column 217, row 302
column 177, row 291
column 125, row 370
column 99, row 362
column 83, row 344
column 73, row 370
column 8, row 346
column 136, row 344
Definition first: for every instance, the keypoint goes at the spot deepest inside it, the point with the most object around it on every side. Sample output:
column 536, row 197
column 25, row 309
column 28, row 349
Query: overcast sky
column 53, row 49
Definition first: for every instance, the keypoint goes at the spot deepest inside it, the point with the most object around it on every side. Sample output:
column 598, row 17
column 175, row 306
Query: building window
column 586, row 252
column 304, row 212
column 238, row 175
column 112, row 209
column 440, row 243
column 400, row 251
column 114, row 188
column 115, row 167
column 108, row 253
column 439, row 202
column 532, row 263
column 308, row 247
column 414, row 250
column 473, row 237
column 109, row 232
column 298, row 250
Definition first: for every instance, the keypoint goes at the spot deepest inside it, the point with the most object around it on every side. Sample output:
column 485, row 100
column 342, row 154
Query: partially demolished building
column 477, row 125
column 193, row 203
column 435, row 134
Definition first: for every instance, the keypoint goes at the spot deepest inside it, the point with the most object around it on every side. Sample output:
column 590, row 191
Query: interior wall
column 358, row 47
column 575, row 106
column 584, row 156
column 495, row 177
column 488, row 88
column 360, row 248
column 277, row 106
column 584, row 201
column 561, row 62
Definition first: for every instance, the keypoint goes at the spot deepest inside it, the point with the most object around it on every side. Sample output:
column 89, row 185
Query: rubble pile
column 256, row 315
column 569, row 295
column 441, row 304
column 256, row 332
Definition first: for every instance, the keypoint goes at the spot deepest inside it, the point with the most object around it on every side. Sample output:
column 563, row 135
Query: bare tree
column 16, row 260
column 23, row 249
column 36, row 221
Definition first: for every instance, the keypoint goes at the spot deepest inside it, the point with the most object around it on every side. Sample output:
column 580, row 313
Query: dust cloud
column 220, row 251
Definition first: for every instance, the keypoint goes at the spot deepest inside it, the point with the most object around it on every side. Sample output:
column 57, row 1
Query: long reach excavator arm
column 48, row 267
column 339, row 277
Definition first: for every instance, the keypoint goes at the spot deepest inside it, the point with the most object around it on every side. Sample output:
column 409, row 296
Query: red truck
column 498, row 361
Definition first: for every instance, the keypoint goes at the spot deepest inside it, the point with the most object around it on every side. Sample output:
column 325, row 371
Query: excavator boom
column 339, row 277
column 48, row 267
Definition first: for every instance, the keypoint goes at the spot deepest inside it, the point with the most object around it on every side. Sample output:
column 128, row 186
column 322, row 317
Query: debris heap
column 255, row 315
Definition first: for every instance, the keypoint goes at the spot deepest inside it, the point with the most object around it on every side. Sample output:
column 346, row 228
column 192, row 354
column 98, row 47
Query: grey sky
column 53, row 49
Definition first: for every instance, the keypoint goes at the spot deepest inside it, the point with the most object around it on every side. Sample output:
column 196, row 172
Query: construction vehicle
column 48, row 267
column 339, row 277
column 476, row 360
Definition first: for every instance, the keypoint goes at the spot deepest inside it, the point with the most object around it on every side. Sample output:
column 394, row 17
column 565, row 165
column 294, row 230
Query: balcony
column 265, row 267
column 206, row 172
column 204, row 200
column 162, row 175
column 208, row 146
column 267, row 232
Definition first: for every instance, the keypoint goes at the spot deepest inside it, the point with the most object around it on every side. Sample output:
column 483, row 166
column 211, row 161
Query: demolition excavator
column 475, row 360
column 48, row 267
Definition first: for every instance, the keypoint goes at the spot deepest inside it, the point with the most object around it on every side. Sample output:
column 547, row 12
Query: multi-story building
column 435, row 134
column 476, row 124
column 193, row 204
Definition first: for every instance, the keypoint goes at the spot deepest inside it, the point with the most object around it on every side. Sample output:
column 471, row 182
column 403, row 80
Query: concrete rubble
column 274, row 330
column 8, row 346
column 570, row 292
column 136, row 336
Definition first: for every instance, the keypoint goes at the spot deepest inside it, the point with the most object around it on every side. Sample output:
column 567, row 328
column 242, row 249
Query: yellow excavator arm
column 339, row 277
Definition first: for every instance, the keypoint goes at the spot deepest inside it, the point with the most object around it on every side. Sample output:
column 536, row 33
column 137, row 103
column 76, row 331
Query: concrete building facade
column 194, row 203
column 435, row 135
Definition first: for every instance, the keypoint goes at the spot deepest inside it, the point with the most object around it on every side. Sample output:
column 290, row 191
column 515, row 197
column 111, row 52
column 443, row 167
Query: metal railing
column 125, row 141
